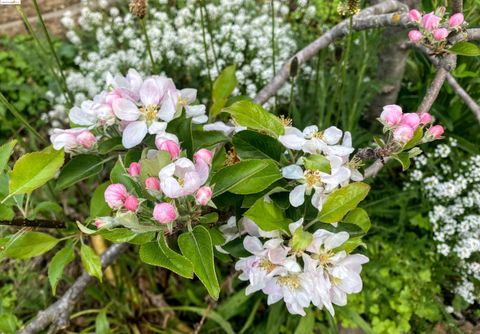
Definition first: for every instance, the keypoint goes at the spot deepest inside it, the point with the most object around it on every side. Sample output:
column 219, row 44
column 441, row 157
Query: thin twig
column 474, row 107
column 58, row 314
column 43, row 223
column 370, row 17
column 433, row 91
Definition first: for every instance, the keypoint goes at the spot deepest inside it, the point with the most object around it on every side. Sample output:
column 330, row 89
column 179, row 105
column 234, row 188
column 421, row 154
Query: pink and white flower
column 134, row 169
column 414, row 15
column 164, row 213
column 440, row 34
column 415, row 36
column 403, row 133
column 182, row 178
column 456, row 20
column 430, row 21
column 203, row 195
column 131, row 203
column 391, row 115
column 72, row 139
column 226, row 128
column 115, row 195
column 196, row 112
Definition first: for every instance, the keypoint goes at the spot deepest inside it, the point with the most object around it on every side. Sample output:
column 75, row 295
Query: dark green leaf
column 79, row 168
column 29, row 244
column 403, row 158
column 222, row 89
column 268, row 216
column 254, row 145
column 98, row 206
column 465, row 49
column 109, row 145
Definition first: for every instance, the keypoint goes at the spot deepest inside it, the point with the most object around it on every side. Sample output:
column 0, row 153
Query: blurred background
column 424, row 245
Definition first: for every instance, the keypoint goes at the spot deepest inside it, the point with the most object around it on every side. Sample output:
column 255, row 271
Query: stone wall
column 52, row 11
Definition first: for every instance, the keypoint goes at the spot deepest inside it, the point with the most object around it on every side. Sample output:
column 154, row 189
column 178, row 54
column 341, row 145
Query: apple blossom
column 415, row 36
column 164, row 213
column 414, row 15
column 182, row 178
column 410, row 119
column 99, row 223
column 203, row 154
column 68, row 139
column 425, row 118
column 440, row 34
column 436, row 131
column 203, row 195
column 391, row 115
column 455, row 20
column 403, row 133
column 169, row 146
column 131, row 203
column 115, row 195
column 86, row 139
column 152, row 183
column 430, row 21
column 134, row 169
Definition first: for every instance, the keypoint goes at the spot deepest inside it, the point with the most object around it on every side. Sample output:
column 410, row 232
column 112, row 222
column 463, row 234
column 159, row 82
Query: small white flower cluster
column 316, row 272
column 239, row 32
column 454, row 193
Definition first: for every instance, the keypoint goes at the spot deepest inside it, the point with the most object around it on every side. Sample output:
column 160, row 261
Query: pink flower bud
column 440, row 34
column 115, row 195
column 131, row 203
column 204, row 155
column 391, row 115
column 164, row 213
column 86, row 139
column 430, row 21
column 169, row 146
column 415, row 36
column 425, row 118
column 99, row 223
column 455, row 20
column 112, row 96
column 411, row 119
column 414, row 15
column 203, row 195
column 134, row 169
column 403, row 133
column 436, row 131
column 152, row 183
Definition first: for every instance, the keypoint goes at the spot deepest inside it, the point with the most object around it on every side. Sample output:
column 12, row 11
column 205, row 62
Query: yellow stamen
column 149, row 112
column 292, row 281
column 312, row 177
column 267, row 265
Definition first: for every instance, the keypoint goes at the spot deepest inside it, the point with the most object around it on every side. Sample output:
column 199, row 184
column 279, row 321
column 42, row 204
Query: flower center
column 324, row 257
column 182, row 101
column 149, row 112
column 318, row 134
column 286, row 120
column 181, row 181
column 312, row 177
column 355, row 163
column 266, row 265
column 291, row 281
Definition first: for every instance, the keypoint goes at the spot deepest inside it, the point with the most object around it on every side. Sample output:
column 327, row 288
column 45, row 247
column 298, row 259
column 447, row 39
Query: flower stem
column 52, row 49
column 143, row 24
column 215, row 61
column 274, row 66
column 205, row 47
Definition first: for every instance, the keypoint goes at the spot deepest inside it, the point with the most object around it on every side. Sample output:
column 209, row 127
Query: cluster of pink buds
column 117, row 197
column 76, row 140
column 433, row 28
column 404, row 125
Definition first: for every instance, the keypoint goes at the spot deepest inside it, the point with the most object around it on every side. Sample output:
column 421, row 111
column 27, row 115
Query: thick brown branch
column 20, row 222
column 58, row 314
column 457, row 6
column 371, row 17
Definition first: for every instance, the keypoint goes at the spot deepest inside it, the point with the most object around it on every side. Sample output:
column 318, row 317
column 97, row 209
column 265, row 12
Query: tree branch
column 58, row 314
column 464, row 96
column 371, row 17
column 457, row 6
column 433, row 91
column 20, row 222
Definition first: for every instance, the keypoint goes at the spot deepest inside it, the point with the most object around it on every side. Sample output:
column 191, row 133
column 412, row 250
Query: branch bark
column 58, row 314
column 20, row 222
column 380, row 15
column 457, row 6
column 433, row 90
column 474, row 107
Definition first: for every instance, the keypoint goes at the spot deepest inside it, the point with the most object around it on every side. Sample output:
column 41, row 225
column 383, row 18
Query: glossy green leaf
column 253, row 145
column 351, row 244
column 207, row 139
column 98, row 206
column 157, row 253
column 33, row 170
column 306, row 323
column 253, row 116
column 301, row 239
column 152, row 166
column 102, row 326
column 6, row 212
column 465, row 49
column 29, row 244
column 246, row 177
column 403, row 158
column 343, row 200
column 5, row 153
column 91, row 262
column 79, row 168
column 417, row 137
column 268, row 216
column 222, row 89
column 61, row 259
column 197, row 246
column 109, row 145
column 317, row 162
column 359, row 217
column 120, row 234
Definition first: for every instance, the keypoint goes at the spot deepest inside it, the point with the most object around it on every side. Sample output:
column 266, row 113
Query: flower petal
column 167, row 110
column 150, row 93
column 297, row 195
column 134, row 134
column 125, row 109
column 292, row 172
column 188, row 94
column 332, row 135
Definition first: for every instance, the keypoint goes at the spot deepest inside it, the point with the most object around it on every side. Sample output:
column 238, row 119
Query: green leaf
column 465, row 49
column 301, row 239
column 102, row 326
column 268, row 216
column 30, row 244
column 118, row 174
column 98, row 206
column 91, row 262
column 47, row 209
column 197, row 246
column 79, row 168
column 343, row 200
column 246, row 177
column 5, row 153
column 120, row 234
column 34, row 170
column 403, row 158
column 317, row 162
column 222, row 89
column 207, row 139
column 61, row 259
column 182, row 128
column 351, row 244
column 359, row 217
column 157, row 253
column 152, row 166
column 306, row 323
column 109, row 145
column 209, row 218
column 8, row 323
column 253, row 145
column 253, row 116
column 6, row 212
column 417, row 137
